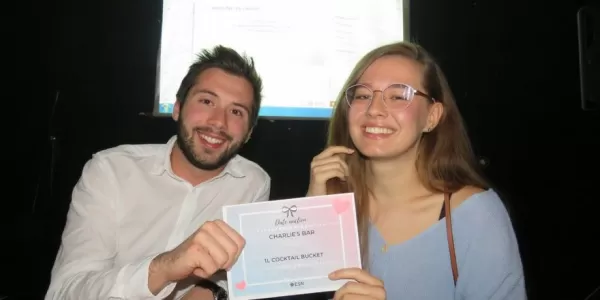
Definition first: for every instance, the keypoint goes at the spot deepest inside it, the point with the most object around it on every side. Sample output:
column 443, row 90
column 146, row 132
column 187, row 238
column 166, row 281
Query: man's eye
column 237, row 112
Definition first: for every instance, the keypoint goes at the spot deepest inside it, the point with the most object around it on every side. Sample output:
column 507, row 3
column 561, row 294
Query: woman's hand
column 363, row 287
column 328, row 164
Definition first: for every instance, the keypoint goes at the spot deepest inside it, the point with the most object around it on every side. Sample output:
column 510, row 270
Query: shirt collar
column 163, row 163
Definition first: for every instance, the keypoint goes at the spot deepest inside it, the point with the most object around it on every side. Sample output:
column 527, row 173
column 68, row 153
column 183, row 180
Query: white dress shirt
column 128, row 207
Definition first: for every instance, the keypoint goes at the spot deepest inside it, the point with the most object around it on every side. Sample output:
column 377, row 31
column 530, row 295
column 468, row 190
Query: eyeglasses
column 397, row 96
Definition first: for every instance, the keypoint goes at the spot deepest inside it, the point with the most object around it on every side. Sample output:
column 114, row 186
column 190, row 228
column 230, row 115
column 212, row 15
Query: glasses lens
column 358, row 95
column 398, row 96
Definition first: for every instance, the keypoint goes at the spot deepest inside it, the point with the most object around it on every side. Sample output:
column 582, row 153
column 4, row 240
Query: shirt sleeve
column 84, row 266
column 492, row 267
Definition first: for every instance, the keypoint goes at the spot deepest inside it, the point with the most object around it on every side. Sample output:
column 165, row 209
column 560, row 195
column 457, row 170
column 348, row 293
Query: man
column 143, row 220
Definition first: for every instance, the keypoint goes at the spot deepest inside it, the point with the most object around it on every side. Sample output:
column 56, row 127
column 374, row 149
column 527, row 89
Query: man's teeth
column 378, row 130
column 211, row 140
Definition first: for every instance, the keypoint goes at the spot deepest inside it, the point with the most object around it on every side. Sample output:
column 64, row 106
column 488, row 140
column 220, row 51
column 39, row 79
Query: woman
column 397, row 141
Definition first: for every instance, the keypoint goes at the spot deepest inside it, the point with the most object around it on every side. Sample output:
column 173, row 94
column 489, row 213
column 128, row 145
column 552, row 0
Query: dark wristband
column 218, row 292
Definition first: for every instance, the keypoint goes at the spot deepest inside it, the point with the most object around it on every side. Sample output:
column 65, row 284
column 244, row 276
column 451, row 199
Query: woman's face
column 387, row 129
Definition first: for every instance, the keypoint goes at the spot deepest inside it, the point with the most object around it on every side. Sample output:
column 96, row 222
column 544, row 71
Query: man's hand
column 214, row 246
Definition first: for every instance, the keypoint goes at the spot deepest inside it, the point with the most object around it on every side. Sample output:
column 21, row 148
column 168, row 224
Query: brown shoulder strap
column 450, row 237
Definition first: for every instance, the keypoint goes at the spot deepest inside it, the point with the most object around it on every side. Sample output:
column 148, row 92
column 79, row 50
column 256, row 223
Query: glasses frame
column 412, row 93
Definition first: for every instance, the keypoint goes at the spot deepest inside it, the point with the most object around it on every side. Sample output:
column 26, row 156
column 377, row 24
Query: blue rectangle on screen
column 275, row 111
column 295, row 112
column 165, row 108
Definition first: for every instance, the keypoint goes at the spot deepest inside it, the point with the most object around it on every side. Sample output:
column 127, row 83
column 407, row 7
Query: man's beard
column 185, row 141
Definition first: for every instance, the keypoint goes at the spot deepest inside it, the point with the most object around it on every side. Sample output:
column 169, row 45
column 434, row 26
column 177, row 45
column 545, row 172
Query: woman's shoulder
column 479, row 207
column 464, row 194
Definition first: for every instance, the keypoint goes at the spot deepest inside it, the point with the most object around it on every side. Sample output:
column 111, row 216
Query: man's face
column 213, row 122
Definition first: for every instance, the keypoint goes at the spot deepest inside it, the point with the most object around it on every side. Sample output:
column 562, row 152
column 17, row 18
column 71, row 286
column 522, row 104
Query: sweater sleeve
column 492, row 267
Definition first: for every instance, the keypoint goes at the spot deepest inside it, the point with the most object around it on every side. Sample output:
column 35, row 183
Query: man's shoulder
column 132, row 151
column 250, row 168
column 126, row 155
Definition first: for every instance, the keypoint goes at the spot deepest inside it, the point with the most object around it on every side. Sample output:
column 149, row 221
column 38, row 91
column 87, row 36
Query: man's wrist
column 157, row 279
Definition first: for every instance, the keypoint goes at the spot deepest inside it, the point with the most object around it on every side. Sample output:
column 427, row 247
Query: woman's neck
column 394, row 181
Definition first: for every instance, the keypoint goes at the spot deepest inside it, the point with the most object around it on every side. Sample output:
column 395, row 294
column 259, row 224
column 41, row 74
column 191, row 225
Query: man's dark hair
column 230, row 61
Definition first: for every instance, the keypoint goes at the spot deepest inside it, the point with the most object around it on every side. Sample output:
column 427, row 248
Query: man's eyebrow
column 204, row 91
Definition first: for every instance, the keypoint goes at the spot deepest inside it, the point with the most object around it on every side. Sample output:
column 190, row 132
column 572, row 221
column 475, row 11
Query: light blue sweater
column 487, row 253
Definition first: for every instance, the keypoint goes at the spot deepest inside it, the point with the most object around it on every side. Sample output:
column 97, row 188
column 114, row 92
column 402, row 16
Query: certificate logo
column 290, row 216
column 289, row 211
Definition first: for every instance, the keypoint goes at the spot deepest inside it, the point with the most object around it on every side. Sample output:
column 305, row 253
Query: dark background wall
column 513, row 66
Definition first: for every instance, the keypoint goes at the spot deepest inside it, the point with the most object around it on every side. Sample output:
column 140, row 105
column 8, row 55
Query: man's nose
column 218, row 118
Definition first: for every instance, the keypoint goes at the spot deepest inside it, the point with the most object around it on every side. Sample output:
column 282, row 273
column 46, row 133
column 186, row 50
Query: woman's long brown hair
column 445, row 161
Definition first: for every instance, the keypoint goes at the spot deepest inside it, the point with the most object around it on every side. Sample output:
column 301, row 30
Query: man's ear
column 249, row 135
column 176, row 110
column 436, row 111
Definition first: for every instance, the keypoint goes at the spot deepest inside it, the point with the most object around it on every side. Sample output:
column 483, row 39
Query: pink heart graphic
column 340, row 205
column 240, row 285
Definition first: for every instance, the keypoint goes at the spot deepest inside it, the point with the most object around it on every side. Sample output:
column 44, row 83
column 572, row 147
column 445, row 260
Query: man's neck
column 394, row 181
column 185, row 170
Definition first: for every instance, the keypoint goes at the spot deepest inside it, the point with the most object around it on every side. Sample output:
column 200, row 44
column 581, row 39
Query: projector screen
column 303, row 50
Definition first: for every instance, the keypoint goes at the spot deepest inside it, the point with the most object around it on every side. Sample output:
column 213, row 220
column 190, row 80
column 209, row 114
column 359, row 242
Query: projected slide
column 303, row 50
